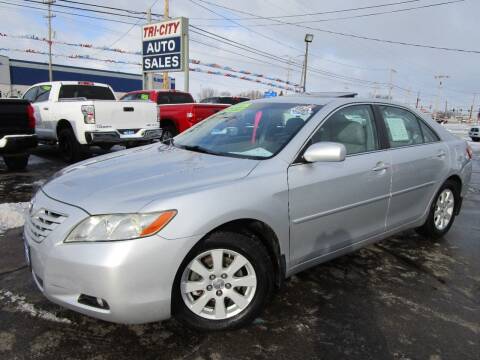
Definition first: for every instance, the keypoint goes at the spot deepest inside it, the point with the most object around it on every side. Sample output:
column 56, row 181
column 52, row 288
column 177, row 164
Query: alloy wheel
column 444, row 209
column 218, row 284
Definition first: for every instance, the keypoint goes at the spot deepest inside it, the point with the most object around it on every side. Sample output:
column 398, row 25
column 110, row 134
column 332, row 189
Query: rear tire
column 70, row 148
column 239, row 294
column 442, row 211
column 168, row 133
column 16, row 162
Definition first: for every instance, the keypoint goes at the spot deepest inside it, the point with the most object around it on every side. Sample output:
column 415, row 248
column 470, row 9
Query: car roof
column 321, row 100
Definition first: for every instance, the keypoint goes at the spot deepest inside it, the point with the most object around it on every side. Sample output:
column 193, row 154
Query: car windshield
column 253, row 130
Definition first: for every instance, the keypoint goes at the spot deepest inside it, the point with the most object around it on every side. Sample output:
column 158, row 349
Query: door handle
column 381, row 166
column 45, row 108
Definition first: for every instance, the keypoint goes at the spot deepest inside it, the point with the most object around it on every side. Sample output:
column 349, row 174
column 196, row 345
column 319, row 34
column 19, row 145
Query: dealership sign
column 164, row 45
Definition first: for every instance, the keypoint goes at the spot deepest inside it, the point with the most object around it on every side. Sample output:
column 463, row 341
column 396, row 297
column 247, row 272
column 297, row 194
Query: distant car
column 205, row 229
column 232, row 100
column 177, row 110
column 474, row 133
column 17, row 132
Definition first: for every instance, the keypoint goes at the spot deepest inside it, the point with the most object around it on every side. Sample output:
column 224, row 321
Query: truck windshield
column 253, row 130
column 88, row 92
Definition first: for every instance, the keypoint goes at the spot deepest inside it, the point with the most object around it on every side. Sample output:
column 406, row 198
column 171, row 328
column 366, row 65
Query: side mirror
column 325, row 152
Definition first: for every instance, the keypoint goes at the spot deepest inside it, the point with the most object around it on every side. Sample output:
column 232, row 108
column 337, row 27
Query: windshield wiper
column 197, row 148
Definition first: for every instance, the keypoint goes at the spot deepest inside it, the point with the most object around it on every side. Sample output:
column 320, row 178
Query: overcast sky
column 454, row 26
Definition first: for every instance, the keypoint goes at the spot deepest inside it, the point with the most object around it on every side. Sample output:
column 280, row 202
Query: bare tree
column 207, row 93
column 252, row 94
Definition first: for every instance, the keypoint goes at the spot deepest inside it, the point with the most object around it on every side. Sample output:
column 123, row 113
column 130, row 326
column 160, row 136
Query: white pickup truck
column 78, row 114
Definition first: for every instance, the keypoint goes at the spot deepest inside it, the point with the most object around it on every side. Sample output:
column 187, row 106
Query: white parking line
column 21, row 305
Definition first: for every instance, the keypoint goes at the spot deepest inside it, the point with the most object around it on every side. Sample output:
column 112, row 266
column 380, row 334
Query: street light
column 308, row 40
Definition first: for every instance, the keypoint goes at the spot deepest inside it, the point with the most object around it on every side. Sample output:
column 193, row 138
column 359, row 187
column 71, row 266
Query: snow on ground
column 20, row 304
column 12, row 215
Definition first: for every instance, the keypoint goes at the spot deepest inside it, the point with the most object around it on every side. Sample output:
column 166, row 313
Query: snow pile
column 12, row 215
column 20, row 304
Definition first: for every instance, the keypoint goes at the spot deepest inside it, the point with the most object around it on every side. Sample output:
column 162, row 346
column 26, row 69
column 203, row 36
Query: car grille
column 39, row 225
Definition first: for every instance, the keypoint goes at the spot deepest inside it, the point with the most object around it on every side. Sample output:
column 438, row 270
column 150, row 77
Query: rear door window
column 428, row 134
column 43, row 93
column 403, row 127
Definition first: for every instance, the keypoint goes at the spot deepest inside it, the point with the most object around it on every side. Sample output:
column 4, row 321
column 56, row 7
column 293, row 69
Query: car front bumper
column 114, row 137
column 15, row 144
column 133, row 277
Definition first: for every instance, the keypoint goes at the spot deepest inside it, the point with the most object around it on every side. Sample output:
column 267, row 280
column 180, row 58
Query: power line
column 254, row 17
column 67, row 13
column 244, row 27
column 352, row 16
column 403, row 43
column 83, row 9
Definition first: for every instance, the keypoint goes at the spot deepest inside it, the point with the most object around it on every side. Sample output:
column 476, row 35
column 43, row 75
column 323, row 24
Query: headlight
column 120, row 226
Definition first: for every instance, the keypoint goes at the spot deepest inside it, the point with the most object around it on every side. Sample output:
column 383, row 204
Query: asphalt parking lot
column 405, row 298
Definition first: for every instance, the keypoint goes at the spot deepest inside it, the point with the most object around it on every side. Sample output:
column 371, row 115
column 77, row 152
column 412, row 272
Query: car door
column 419, row 162
column 336, row 204
column 47, row 124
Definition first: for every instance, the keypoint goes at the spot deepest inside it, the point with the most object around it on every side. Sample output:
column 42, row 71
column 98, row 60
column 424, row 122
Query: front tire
column 442, row 211
column 223, row 283
column 16, row 162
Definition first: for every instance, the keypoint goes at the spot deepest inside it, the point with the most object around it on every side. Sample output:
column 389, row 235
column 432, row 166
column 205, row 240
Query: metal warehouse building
column 17, row 75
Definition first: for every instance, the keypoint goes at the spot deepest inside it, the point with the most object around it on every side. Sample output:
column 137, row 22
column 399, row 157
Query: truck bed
column 14, row 118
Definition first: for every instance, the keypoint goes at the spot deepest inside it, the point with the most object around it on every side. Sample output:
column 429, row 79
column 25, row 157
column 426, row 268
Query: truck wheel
column 106, row 147
column 16, row 162
column 224, row 282
column 169, row 132
column 70, row 148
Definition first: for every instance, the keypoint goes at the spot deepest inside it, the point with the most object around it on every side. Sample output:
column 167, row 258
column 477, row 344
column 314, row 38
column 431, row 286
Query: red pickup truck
column 178, row 110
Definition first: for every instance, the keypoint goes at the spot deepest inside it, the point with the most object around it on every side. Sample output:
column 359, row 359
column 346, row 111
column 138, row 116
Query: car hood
column 128, row 180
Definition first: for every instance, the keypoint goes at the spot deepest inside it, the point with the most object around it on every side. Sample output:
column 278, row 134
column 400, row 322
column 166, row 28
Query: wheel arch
column 259, row 229
column 458, row 181
column 64, row 124
column 167, row 122
column 268, row 238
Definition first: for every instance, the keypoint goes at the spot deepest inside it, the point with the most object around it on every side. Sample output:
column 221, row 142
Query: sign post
column 165, row 47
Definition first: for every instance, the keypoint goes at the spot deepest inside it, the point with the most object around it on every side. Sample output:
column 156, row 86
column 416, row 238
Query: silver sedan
column 207, row 227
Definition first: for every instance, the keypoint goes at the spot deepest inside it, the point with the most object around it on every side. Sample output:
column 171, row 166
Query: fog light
column 93, row 301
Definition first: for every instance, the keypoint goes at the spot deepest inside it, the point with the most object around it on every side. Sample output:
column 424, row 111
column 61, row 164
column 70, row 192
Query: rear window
column 88, row 92
column 474, row 129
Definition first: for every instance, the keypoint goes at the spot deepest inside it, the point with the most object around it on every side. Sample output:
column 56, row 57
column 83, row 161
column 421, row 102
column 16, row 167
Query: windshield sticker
column 46, row 87
column 302, row 110
column 397, row 128
column 144, row 97
column 238, row 107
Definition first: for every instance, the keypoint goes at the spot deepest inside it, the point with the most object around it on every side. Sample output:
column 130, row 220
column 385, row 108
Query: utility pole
column 418, row 100
column 390, row 83
column 470, row 118
column 148, row 76
column 166, row 82
column 407, row 99
column 437, row 99
column 49, row 17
